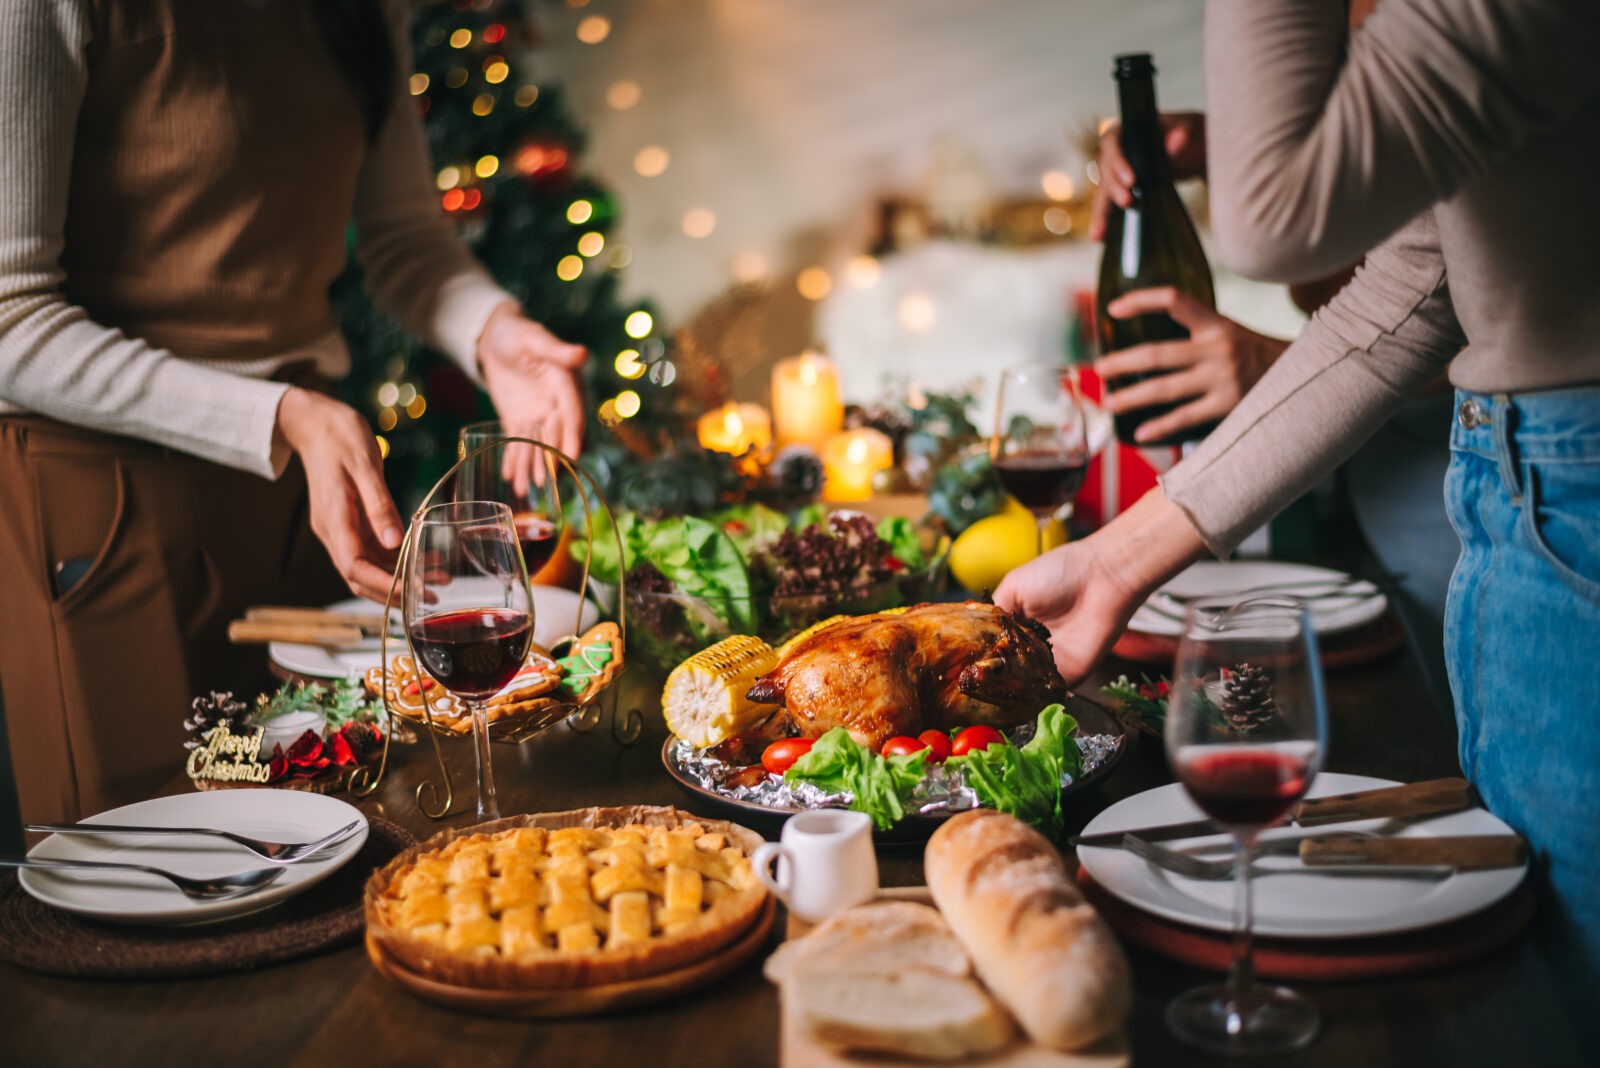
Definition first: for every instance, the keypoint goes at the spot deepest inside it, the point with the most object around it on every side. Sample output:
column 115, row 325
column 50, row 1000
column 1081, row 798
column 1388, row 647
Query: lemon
column 982, row 555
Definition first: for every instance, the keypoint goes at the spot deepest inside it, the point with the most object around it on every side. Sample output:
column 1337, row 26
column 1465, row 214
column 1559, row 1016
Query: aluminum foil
column 942, row 789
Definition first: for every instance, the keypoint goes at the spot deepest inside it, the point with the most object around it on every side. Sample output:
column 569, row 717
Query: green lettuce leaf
column 880, row 785
column 751, row 526
column 903, row 540
column 1026, row 782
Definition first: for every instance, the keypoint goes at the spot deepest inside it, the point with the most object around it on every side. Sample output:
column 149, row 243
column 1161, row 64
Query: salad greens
column 881, row 785
column 1026, row 782
column 1023, row 781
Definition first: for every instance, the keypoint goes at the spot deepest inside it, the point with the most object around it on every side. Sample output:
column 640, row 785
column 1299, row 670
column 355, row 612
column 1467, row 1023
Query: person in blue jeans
column 1451, row 143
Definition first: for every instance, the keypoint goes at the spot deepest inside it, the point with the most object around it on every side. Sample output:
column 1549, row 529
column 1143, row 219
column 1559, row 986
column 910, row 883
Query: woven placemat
column 45, row 939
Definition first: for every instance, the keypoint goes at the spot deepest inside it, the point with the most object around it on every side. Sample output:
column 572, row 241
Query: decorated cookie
column 591, row 662
column 532, row 692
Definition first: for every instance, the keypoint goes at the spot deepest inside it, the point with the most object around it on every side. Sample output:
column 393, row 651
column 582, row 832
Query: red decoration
column 339, row 749
column 538, row 161
column 278, row 766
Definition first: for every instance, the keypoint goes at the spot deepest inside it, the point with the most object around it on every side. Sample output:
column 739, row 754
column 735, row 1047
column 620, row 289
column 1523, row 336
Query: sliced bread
column 915, row 1012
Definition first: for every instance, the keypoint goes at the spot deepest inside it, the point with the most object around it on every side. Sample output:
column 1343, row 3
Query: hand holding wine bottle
column 1183, row 136
column 1150, row 242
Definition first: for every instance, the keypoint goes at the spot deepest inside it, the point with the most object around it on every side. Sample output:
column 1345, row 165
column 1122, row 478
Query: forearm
column 1319, row 148
column 1387, row 333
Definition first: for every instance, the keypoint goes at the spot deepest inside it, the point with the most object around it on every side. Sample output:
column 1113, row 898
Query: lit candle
column 805, row 399
column 850, row 459
column 735, row 429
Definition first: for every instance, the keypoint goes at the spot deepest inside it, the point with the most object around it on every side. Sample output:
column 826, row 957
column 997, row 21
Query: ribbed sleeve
column 53, row 359
column 1389, row 331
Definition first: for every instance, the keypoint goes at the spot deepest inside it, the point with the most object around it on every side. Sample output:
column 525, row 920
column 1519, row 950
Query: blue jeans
column 1522, row 640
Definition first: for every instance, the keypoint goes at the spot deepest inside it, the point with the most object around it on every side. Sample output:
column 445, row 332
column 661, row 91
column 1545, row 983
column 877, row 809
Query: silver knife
column 1434, row 797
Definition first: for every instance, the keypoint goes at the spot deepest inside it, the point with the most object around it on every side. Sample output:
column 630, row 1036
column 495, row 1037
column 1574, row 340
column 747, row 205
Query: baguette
column 1034, row 941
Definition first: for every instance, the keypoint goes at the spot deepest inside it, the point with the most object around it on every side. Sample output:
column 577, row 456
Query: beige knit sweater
column 213, row 400
column 1459, row 137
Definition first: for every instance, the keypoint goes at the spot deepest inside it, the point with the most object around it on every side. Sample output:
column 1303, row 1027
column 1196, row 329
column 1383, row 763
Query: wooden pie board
column 580, row 1001
column 797, row 1050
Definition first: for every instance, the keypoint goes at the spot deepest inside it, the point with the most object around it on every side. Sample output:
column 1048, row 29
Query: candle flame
column 808, row 370
column 731, row 422
column 856, row 454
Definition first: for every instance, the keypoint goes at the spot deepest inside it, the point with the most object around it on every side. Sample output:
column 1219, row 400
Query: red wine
column 1244, row 787
column 538, row 536
column 473, row 652
column 1042, row 481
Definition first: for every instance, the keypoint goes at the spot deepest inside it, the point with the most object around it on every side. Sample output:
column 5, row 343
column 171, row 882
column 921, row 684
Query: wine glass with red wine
column 518, row 475
column 1246, row 728
column 1040, row 446
column 468, row 613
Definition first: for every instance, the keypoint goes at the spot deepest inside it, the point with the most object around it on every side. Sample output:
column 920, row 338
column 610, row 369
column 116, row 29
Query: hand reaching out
column 352, row 513
column 1185, row 136
column 1207, row 374
column 531, row 376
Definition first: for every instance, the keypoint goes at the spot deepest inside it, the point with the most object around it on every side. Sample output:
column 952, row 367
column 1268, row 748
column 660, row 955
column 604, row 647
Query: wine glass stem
column 1241, row 972
column 488, row 807
column 1041, row 522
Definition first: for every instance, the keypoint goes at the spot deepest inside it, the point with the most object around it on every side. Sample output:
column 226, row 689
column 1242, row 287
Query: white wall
column 786, row 118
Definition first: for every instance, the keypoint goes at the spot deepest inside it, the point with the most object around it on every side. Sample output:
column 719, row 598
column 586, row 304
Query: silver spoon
column 277, row 852
column 218, row 888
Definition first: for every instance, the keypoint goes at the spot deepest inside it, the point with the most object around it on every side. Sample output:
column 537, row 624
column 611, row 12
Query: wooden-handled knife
column 368, row 622
column 1434, row 797
column 1478, row 852
column 255, row 632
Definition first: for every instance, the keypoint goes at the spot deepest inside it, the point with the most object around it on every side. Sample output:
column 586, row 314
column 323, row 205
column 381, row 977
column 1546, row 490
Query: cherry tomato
column 972, row 738
column 938, row 742
column 780, row 755
column 902, row 745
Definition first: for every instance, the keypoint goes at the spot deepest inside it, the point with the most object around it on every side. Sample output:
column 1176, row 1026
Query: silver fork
column 1194, row 867
column 276, row 852
column 1319, row 588
column 219, row 888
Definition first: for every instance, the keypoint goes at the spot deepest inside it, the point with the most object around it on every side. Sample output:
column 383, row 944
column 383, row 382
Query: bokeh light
column 628, row 364
column 628, row 404
column 579, row 212
column 486, row 166
column 651, row 161
column 461, row 38
column 638, row 324
column 419, row 84
column 862, row 271
column 917, row 312
column 449, row 178
column 699, row 222
column 750, row 266
column 591, row 243
column 1058, row 220
column 814, row 283
column 569, row 268
column 624, row 94
column 526, row 95
column 482, row 104
column 594, row 29
column 1057, row 185
column 496, row 71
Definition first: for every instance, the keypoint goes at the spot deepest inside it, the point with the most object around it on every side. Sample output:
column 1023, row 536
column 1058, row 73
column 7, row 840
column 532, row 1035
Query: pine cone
column 1247, row 702
column 363, row 736
column 797, row 471
column 213, row 711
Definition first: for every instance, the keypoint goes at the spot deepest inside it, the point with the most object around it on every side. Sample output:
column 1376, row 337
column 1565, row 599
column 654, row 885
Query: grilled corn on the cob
column 704, row 698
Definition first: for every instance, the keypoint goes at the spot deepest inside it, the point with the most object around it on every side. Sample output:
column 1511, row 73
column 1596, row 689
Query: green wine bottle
column 1152, row 242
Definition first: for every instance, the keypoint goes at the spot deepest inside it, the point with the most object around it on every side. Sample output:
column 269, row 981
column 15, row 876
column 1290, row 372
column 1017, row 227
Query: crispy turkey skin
column 934, row 665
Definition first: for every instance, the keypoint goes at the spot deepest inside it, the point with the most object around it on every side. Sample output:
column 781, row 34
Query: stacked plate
column 1338, row 602
column 554, row 610
column 1290, row 900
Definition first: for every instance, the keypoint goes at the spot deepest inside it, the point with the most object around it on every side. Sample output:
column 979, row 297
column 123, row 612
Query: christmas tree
column 506, row 158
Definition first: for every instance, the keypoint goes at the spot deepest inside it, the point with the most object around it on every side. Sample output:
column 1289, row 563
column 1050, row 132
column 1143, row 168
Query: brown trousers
column 97, row 680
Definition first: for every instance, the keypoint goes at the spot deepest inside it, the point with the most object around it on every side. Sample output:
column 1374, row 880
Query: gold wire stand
column 582, row 716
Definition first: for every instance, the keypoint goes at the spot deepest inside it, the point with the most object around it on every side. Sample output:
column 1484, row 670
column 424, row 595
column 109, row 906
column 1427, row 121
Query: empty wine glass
column 468, row 612
column 518, row 475
column 1246, row 727
column 1040, row 446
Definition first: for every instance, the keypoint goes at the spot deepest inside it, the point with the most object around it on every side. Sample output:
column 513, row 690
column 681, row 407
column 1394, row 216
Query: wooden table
column 335, row 1010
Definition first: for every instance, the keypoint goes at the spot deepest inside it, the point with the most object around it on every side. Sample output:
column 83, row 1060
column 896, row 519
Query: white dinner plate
column 1361, row 604
column 1294, row 905
column 137, row 898
column 554, row 610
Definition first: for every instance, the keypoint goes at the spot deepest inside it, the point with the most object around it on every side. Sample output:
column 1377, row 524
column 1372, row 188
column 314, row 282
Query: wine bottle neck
column 1141, row 130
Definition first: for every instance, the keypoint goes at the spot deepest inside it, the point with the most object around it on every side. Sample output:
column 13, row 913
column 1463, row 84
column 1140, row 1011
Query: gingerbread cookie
column 528, row 694
column 592, row 661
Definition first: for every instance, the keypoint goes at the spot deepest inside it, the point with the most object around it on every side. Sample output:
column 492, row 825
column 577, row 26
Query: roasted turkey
column 934, row 665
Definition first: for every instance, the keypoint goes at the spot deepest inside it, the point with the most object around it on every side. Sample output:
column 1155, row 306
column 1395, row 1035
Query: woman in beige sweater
column 179, row 175
column 1453, row 143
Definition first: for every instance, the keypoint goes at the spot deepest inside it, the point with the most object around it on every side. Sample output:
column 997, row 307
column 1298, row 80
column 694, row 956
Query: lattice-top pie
column 570, row 900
